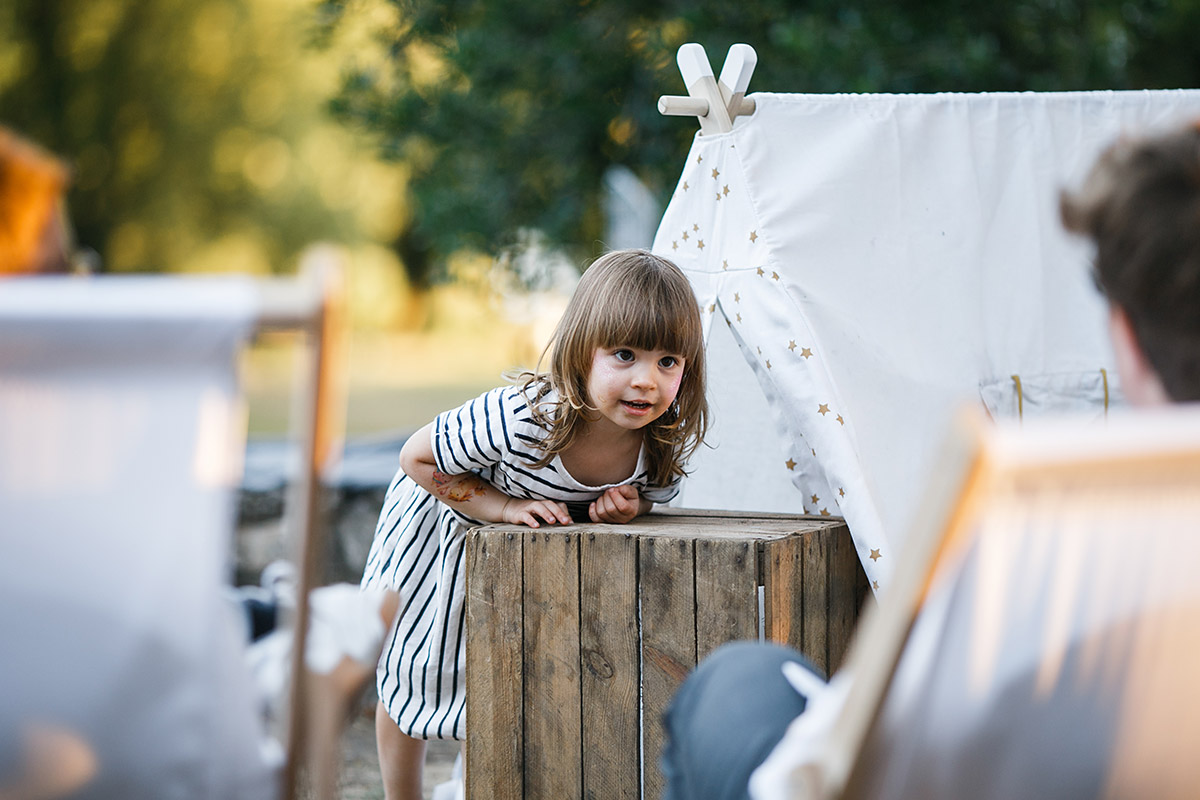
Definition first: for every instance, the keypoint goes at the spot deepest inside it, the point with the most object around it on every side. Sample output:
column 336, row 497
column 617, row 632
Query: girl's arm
column 470, row 494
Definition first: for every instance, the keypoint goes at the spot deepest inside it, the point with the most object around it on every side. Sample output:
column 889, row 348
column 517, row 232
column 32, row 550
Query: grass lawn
column 393, row 382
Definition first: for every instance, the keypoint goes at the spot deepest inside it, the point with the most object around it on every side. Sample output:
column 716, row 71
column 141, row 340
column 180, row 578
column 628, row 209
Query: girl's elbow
column 416, row 452
column 407, row 462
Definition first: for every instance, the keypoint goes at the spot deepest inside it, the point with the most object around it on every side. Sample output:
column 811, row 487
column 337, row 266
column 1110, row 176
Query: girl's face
column 632, row 387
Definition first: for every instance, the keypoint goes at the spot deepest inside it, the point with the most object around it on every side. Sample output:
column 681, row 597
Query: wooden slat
column 608, row 610
column 668, row 639
column 783, row 598
column 494, row 766
column 844, row 571
column 863, row 589
column 814, row 553
column 552, row 691
column 726, row 593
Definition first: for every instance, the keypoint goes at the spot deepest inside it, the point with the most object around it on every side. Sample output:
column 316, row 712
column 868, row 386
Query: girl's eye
column 624, row 355
column 666, row 362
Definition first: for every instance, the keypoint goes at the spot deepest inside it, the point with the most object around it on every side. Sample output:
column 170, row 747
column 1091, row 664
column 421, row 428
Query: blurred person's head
column 33, row 232
column 1140, row 205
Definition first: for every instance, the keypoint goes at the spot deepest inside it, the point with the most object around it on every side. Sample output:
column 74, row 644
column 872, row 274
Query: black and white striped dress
column 418, row 551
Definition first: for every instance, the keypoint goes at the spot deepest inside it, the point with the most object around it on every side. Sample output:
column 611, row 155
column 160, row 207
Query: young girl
column 602, row 436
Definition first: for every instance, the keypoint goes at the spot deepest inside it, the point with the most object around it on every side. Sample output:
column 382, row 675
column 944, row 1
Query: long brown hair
column 638, row 299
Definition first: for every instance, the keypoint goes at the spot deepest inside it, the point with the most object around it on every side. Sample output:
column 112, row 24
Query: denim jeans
column 726, row 719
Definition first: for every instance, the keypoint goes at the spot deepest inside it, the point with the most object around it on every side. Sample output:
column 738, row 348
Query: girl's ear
column 1139, row 381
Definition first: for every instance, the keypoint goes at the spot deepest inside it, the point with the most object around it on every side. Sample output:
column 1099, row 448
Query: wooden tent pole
column 716, row 103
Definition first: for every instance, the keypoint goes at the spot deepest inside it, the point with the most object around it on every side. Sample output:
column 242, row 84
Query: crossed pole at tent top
column 716, row 102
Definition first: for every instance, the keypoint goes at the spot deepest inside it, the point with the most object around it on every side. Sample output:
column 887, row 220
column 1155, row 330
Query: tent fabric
column 878, row 261
column 121, row 435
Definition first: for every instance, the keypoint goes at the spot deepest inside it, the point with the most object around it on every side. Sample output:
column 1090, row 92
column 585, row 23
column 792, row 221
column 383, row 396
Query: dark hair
column 1140, row 205
column 634, row 298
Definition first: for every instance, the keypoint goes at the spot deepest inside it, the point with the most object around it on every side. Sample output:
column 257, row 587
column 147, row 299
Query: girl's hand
column 617, row 505
column 527, row 512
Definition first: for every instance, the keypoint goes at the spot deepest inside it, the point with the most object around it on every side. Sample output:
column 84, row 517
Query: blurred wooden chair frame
column 1053, row 473
column 317, row 706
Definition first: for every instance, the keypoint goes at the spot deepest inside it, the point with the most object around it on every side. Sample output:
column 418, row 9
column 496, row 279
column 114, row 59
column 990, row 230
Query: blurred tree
column 197, row 129
column 508, row 114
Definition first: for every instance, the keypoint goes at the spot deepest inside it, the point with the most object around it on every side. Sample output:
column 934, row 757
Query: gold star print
column 775, row 276
column 695, row 227
column 840, row 420
column 825, row 512
column 716, row 173
column 760, row 272
column 718, row 195
column 792, row 345
column 875, row 585
column 805, row 353
column 815, row 499
column 737, row 298
column 674, row 245
column 685, row 236
column 700, row 244
column 685, row 186
column 712, row 308
column 725, row 264
column 758, row 350
column 739, row 317
column 791, row 464
column 841, row 492
column 699, row 159
column 824, row 409
column 754, row 238
column 725, row 190
column 768, row 363
column 875, row 555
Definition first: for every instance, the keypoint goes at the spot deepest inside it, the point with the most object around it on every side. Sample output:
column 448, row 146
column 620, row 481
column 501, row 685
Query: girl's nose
column 642, row 377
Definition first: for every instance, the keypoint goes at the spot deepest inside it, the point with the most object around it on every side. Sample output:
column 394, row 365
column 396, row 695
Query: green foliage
column 509, row 113
column 194, row 127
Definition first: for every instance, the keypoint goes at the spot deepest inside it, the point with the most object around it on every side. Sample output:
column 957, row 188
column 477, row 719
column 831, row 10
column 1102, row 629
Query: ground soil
column 360, row 761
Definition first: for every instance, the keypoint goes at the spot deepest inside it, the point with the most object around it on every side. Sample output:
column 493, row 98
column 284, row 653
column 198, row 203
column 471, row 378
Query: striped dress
column 418, row 551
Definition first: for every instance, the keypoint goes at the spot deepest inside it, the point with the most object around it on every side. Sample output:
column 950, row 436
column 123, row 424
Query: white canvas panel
column 883, row 258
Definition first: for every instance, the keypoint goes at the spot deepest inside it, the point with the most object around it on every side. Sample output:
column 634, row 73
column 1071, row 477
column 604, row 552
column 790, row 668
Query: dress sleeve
column 662, row 494
column 475, row 435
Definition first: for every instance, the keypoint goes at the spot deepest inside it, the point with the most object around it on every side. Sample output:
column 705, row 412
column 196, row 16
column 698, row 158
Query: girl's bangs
column 650, row 324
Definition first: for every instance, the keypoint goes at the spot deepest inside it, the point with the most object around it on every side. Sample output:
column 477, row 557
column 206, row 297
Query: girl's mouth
column 635, row 405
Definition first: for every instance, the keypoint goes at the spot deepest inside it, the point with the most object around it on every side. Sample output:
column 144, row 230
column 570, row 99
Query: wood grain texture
column 814, row 554
column 553, row 725
column 608, row 621
column 668, row 639
column 844, row 582
column 494, row 764
column 783, row 590
column 553, row 647
column 726, row 593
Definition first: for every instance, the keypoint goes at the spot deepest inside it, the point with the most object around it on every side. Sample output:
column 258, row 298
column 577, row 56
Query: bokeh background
column 470, row 157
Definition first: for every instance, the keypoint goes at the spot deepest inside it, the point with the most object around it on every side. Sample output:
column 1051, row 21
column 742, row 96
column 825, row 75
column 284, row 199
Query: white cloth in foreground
column 1056, row 656
column 879, row 259
column 120, row 442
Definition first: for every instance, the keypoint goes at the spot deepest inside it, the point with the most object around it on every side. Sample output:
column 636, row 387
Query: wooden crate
column 578, row 636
